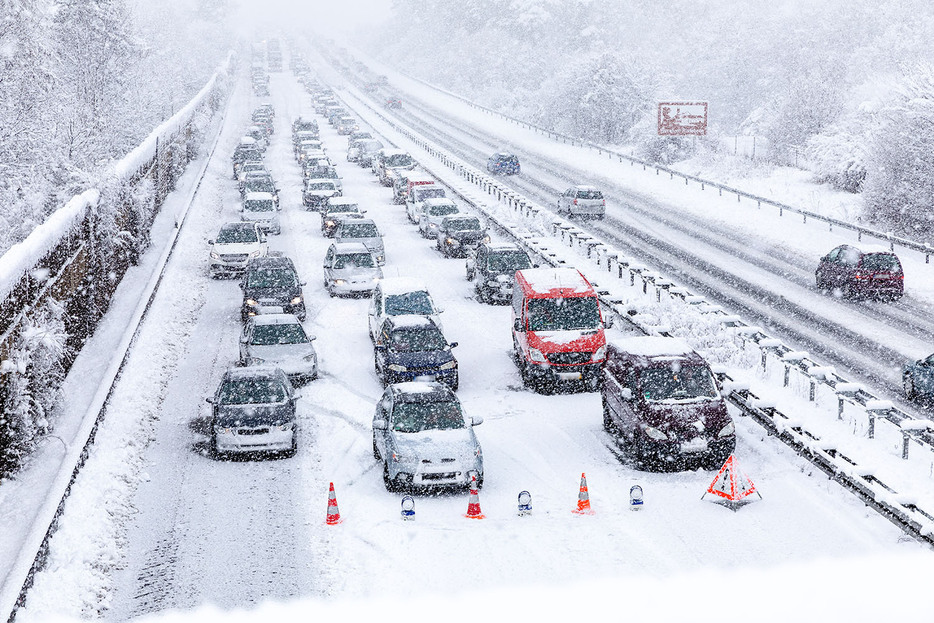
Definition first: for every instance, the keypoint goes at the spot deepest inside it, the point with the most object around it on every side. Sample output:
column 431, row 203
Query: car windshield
column 260, row 186
column 414, row 417
column 564, row 314
column 271, row 278
column 234, row 235
column 359, row 230
column 259, row 205
column 251, row 391
column 677, row 382
column 354, row 260
column 442, row 210
column 508, row 261
column 416, row 340
column 430, row 193
column 463, row 224
column 409, row 303
column 272, row 334
column 881, row 262
column 398, row 160
column 589, row 194
column 322, row 186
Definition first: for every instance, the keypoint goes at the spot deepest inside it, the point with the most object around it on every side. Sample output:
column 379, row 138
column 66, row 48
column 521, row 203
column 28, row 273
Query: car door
column 383, row 412
column 381, row 346
column 328, row 265
column 376, row 312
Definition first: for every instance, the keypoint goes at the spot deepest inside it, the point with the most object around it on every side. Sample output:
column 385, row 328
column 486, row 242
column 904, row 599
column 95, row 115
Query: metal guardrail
column 859, row 479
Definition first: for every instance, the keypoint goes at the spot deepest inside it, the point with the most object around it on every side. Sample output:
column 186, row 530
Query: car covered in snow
column 270, row 285
column 363, row 230
column 336, row 210
column 918, row 379
column 318, row 192
column 261, row 208
column 279, row 340
column 411, row 347
column 431, row 213
column 424, row 439
column 582, row 201
column 415, row 198
column 234, row 245
column 350, row 268
column 253, row 410
column 503, row 163
column 394, row 296
column 390, row 161
column 662, row 403
column 459, row 235
column 493, row 268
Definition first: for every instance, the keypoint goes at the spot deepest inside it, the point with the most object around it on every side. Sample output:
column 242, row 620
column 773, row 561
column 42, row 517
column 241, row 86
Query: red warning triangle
column 731, row 483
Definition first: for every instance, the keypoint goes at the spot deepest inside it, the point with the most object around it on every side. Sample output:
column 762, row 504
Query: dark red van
column 661, row 401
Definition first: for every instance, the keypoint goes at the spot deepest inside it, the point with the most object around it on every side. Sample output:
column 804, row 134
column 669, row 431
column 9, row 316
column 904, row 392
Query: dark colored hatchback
column 859, row 273
column 271, row 286
column 412, row 348
column 503, row 163
column 662, row 403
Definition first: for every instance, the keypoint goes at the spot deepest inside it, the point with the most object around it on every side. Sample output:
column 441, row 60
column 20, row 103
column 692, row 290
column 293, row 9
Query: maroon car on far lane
column 861, row 272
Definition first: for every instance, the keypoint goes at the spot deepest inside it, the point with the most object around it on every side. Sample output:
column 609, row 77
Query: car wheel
column 215, row 453
column 387, row 481
column 294, row 449
column 455, row 383
column 608, row 424
column 909, row 385
column 376, row 454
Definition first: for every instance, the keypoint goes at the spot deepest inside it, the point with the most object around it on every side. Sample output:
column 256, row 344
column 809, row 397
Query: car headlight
column 451, row 241
column 215, row 255
column 398, row 458
column 450, row 365
column 286, row 426
column 655, row 434
column 339, row 282
column 396, row 367
column 251, row 303
column 727, row 431
column 376, row 279
column 432, row 226
column 537, row 356
column 255, row 361
column 329, row 223
column 255, row 253
column 296, row 300
column 478, row 452
column 493, row 283
column 600, row 354
column 312, row 358
column 486, row 239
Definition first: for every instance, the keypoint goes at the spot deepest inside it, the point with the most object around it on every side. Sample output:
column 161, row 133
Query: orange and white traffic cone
column 334, row 515
column 583, row 499
column 473, row 506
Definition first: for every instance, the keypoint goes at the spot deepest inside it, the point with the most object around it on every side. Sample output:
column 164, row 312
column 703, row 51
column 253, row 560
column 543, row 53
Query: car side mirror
column 380, row 347
column 534, row 265
column 452, row 345
column 626, row 393
column 302, row 283
column 296, row 394
column 471, row 264
column 380, row 424
column 244, row 339
column 439, row 310
column 476, row 420
column 209, row 400
column 211, row 242
column 517, row 326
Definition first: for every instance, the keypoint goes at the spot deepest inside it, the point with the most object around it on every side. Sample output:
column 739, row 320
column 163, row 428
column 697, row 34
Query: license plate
column 569, row 376
column 698, row 444
column 272, row 309
column 439, row 476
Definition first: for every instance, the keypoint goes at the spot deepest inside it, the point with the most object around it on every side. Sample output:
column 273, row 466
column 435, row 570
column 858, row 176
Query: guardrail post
column 787, row 375
column 872, row 423
column 905, row 440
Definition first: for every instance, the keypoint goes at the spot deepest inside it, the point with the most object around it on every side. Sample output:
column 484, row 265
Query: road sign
column 682, row 118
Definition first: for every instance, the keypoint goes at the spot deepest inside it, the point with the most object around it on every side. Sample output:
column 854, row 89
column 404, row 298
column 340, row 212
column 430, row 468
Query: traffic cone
column 583, row 499
column 334, row 515
column 473, row 506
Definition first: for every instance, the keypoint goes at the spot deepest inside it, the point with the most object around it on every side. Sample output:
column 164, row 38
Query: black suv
column 459, row 235
column 493, row 270
column 271, row 285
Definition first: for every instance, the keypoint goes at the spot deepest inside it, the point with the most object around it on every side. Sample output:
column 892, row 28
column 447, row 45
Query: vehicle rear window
column 414, row 417
column 272, row 334
column 359, row 230
column 430, row 193
column 416, row 340
column 409, row 303
column 589, row 194
column 563, row 314
column 881, row 262
column 508, row 261
column 322, row 186
column 463, row 224
column 677, row 382
column 442, row 210
column 398, row 160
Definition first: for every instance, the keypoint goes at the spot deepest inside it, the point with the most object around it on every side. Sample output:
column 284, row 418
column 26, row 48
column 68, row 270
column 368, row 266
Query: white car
column 279, row 340
column 261, row 208
column 350, row 268
column 395, row 296
column 417, row 196
column 583, row 201
column 432, row 213
column 235, row 245
column 362, row 230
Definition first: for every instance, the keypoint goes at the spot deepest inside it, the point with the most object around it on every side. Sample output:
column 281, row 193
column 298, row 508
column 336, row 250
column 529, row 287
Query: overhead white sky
column 322, row 15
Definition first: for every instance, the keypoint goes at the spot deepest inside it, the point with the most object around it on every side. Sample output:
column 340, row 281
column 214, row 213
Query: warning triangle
column 731, row 484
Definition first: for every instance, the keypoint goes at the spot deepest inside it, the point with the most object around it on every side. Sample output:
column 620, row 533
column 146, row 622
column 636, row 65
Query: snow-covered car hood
column 438, row 444
column 254, row 415
column 281, row 353
column 357, row 272
column 236, row 248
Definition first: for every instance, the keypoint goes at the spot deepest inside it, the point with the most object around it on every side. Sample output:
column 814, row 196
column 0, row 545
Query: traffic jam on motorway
column 660, row 399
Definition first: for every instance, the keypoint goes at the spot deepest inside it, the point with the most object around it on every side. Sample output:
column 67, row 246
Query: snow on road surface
column 179, row 529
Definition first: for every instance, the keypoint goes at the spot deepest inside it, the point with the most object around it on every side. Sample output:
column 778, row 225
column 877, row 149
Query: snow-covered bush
column 32, row 376
column 838, row 156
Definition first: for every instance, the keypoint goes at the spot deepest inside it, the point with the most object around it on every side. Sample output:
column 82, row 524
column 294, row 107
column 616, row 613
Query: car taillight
column 603, row 202
column 857, row 275
column 575, row 202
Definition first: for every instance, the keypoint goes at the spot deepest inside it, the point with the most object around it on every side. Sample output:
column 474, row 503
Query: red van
column 557, row 328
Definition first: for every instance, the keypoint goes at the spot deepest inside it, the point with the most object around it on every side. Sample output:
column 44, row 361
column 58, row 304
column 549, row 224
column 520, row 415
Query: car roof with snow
column 409, row 321
column 259, row 196
column 267, row 319
column 503, row 246
column 585, row 187
column 391, row 286
column 342, row 202
column 653, row 349
column 239, row 225
column 563, row 281
column 422, row 391
column 439, row 201
column 348, row 248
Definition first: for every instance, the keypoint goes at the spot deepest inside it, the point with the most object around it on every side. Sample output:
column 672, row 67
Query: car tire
column 212, row 448
column 294, row 449
column 376, row 454
column 608, row 424
column 456, row 383
column 908, row 383
column 387, row 481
